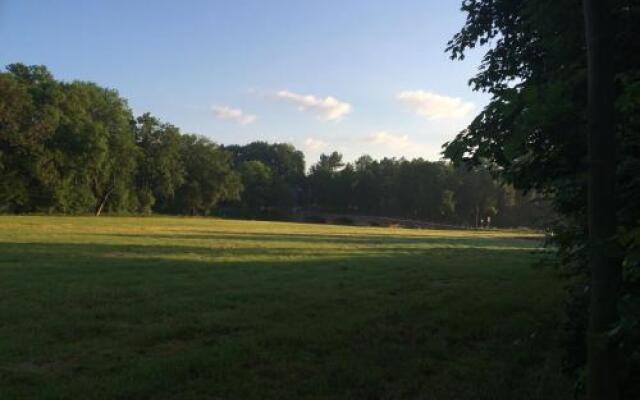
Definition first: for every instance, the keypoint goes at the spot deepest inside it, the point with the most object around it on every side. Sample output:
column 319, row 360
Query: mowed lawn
column 199, row 308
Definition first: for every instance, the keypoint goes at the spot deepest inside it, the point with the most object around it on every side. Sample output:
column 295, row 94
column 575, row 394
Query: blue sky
column 353, row 76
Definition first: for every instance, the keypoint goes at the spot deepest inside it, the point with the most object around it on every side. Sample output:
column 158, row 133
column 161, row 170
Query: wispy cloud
column 378, row 144
column 435, row 106
column 398, row 145
column 325, row 109
column 391, row 140
column 313, row 144
column 235, row 115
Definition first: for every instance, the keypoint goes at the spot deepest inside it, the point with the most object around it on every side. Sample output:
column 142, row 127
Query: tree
column 323, row 181
column 96, row 134
column 15, row 110
column 448, row 204
column 29, row 116
column 606, row 273
column 160, row 169
column 257, row 185
column 209, row 177
column 366, row 189
column 476, row 195
column 287, row 170
column 328, row 163
column 533, row 134
column 61, row 144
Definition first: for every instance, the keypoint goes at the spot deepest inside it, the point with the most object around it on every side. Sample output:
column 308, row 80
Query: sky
column 356, row 76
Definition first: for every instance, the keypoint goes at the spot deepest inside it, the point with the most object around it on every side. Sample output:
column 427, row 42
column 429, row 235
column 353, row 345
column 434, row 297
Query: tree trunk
column 602, row 359
column 101, row 206
column 103, row 202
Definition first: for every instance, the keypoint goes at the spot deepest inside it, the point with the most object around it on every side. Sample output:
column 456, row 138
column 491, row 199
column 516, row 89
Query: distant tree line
column 77, row 148
column 418, row 189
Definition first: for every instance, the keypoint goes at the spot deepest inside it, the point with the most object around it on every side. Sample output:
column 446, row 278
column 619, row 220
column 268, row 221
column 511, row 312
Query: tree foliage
column 76, row 148
column 161, row 170
column 533, row 131
column 418, row 189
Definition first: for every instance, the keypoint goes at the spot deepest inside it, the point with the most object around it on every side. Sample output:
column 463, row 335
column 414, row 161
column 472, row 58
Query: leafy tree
column 323, row 181
column 366, row 188
column 287, row 170
column 448, row 204
column 65, row 146
column 209, row 177
column 96, row 131
column 29, row 117
column 533, row 135
column 330, row 163
column 160, row 169
column 257, row 182
column 15, row 107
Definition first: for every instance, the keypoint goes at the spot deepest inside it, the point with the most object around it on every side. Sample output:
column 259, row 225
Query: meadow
column 200, row 308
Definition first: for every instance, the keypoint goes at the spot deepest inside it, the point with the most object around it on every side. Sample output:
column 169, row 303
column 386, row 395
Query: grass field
column 168, row 308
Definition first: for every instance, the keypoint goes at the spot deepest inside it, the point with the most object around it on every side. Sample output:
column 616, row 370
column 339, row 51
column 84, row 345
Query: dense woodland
column 75, row 148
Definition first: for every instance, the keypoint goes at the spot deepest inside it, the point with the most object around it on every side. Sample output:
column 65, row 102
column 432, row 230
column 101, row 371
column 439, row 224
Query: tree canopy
column 76, row 148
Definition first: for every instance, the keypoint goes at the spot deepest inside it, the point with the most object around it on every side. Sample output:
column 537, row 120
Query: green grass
column 167, row 308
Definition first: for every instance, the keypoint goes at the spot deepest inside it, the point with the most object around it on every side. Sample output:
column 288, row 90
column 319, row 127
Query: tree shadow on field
column 139, row 321
column 247, row 253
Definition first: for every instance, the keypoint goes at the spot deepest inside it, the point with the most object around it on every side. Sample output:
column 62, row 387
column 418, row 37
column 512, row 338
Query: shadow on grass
column 134, row 321
column 249, row 253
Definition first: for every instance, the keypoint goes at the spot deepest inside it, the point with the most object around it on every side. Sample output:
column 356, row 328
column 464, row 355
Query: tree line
column 75, row 147
column 421, row 190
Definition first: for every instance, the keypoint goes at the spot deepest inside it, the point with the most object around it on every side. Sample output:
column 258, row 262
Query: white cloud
column 391, row 144
column 313, row 144
column 435, row 106
column 392, row 141
column 326, row 109
column 236, row 115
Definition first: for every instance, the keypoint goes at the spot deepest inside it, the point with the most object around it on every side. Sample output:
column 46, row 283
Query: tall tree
column 209, row 177
column 606, row 272
column 533, row 133
column 323, row 187
column 257, row 182
column 29, row 116
column 160, row 169
column 287, row 170
column 328, row 162
column 99, row 122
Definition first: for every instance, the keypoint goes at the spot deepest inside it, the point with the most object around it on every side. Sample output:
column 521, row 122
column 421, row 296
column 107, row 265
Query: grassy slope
column 201, row 308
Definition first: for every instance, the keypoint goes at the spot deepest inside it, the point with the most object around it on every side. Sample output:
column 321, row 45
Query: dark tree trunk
column 602, row 360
